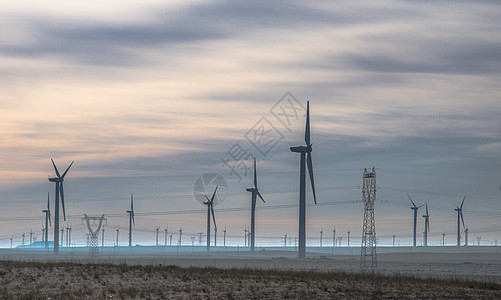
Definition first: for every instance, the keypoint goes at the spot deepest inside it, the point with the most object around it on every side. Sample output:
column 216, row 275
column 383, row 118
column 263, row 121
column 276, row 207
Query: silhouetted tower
column 245, row 236
column 443, row 238
column 102, row 237
column 224, row 237
column 93, row 234
column 368, row 258
column 348, row 237
column 156, row 239
column 165, row 238
column 426, row 226
column 285, row 240
column 43, row 234
column 131, row 218
column 200, row 234
column 321, row 236
column 62, row 235
column 118, row 233
column 466, row 236
column 47, row 222
column 180, row 235
column 31, row 237
column 393, row 240
column 334, row 237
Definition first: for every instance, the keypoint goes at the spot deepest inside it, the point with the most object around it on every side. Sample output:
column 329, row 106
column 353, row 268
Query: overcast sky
column 146, row 97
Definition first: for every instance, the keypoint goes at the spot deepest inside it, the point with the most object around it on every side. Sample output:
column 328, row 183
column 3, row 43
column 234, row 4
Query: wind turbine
column 47, row 222
column 426, row 226
column 210, row 210
column 131, row 218
column 415, row 209
column 305, row 152
column 59, row 191
column 255, row 193
column 460, row 216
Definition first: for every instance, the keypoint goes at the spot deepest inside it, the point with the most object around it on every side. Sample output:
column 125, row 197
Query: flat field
column 34, row 280
column 470, row 273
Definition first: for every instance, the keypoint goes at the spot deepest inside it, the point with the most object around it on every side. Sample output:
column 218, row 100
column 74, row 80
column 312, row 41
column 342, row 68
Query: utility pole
column 224, row 236
column 102, row 237
column 165, row 239
column 368, row 259
column 180, row 235
column 156, row 240
column 321, row 233
column 118, row 233
column 245, row 236
column 69, row 237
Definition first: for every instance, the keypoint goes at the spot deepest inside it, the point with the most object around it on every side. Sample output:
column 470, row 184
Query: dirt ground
column 33, row 280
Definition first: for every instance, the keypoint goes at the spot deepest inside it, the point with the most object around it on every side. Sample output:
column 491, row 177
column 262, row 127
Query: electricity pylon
column 368, row 259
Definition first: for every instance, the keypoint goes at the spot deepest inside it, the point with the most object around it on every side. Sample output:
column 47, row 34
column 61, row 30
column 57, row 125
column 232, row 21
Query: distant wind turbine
column 131, row 218
column 426, row 226
column 59, row 192
column 415, row 209
column 47, row 222
column 305, row 152
column 210, row 210
column 255, row 193
column 460, row 216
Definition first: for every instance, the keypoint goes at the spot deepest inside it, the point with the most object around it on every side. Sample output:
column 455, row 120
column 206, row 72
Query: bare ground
column 34, row 280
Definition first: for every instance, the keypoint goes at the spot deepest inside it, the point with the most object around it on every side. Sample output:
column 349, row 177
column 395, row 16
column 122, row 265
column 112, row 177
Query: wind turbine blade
column 255, row 174
column 259, row 194
column 500, row 187
column 426, row 208
column 307, row 130
column 132, row 202
column 48, row 203
column 61, row 189
column 213, row 194
column 420, row 206
column 133, row 221
column 462, row 220
column 461, row 207
column 310, row 170
column 207, row 198
column 55, row 168
column 428, row 222
column 64, row 174
column 213, row 217
column 411, row 200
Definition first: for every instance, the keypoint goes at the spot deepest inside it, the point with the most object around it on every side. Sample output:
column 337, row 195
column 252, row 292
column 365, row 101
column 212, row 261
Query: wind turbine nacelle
column 299, row 149
column 55, row 179
column 251, row 190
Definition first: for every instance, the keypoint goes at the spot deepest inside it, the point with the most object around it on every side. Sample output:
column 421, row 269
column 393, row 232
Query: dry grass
column 23, row 280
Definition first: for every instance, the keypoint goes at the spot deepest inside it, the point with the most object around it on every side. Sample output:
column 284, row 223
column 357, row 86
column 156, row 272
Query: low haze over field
column 146, row 97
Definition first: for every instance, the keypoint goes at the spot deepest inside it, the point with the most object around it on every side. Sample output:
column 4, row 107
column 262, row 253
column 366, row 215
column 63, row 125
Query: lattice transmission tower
column 368, row 259
column 93, row 234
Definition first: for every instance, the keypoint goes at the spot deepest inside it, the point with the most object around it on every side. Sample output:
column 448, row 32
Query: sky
column 148, row 96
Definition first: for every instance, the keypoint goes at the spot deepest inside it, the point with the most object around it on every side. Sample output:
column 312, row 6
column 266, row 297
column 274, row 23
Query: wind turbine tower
column 460, row 216
column 426, row 226
column 131, row 218
column 415, row 209
column 210, row 210
column 59, row 192
column 47, row 222
column 254, row 195
column 305, row 159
